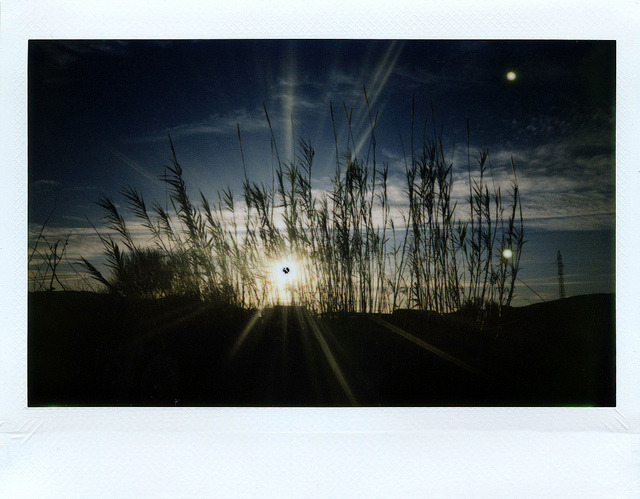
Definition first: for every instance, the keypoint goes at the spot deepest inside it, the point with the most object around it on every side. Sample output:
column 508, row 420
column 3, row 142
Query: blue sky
column 100, row 112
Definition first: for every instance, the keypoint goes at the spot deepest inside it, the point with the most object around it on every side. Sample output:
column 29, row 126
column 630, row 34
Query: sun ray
column 245, row 332
column 306, row 348
column 289, row 100
column 377, row 84
column 284, row 362
column 285, row 333
column 330, row 358
column 165, row 322
column 423, row 344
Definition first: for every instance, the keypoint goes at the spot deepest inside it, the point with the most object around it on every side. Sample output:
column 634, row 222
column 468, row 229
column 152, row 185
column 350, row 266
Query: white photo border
column 305, row 451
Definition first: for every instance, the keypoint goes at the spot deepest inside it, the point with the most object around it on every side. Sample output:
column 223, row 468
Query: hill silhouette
column 88, row 349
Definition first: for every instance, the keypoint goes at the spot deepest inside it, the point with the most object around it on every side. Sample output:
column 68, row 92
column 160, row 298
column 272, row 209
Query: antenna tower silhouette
column 560, row 274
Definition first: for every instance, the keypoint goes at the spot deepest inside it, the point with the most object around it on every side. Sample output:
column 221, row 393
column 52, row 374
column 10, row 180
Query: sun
column 285, row 274
column 511, row 76
column 507, row 253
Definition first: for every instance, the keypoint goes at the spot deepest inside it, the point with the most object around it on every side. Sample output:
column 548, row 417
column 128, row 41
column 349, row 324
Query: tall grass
column 354, row 250
column 49, row 266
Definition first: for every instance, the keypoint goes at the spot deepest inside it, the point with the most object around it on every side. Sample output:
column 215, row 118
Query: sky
column 100, row 113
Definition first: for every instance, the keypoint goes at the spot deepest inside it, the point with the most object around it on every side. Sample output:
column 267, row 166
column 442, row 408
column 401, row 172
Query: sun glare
column 285, row 274
column 507, row 253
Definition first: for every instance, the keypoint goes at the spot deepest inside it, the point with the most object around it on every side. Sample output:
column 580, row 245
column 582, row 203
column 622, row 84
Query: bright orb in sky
column 507, row 253
column 511, row 76
column 285, row 274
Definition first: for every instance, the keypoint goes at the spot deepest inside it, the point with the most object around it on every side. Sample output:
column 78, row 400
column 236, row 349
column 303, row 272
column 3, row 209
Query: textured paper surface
column 315, row 452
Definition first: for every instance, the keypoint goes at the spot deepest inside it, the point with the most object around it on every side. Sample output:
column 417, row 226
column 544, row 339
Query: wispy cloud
column 63, row 53
column 335, row 84
column 300, row 104
column 415, row 78
column 47, row 183
column 135, row 166
column 215, row 124
column 565, row 185
column 47, row 186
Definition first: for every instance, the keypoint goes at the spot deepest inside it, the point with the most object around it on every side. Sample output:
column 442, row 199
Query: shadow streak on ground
column 87, row 349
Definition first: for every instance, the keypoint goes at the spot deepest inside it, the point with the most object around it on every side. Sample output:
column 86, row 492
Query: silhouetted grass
column 350, row 254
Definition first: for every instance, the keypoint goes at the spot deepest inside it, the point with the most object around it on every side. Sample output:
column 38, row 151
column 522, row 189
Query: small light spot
column 507, row 253
column 511, row 76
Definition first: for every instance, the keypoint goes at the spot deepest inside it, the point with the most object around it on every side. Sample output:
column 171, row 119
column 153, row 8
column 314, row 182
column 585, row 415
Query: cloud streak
column 216, row 124
column 136, row 166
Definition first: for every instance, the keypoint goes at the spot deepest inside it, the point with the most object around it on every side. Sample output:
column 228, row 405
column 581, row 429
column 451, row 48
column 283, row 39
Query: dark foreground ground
column 87, row 349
